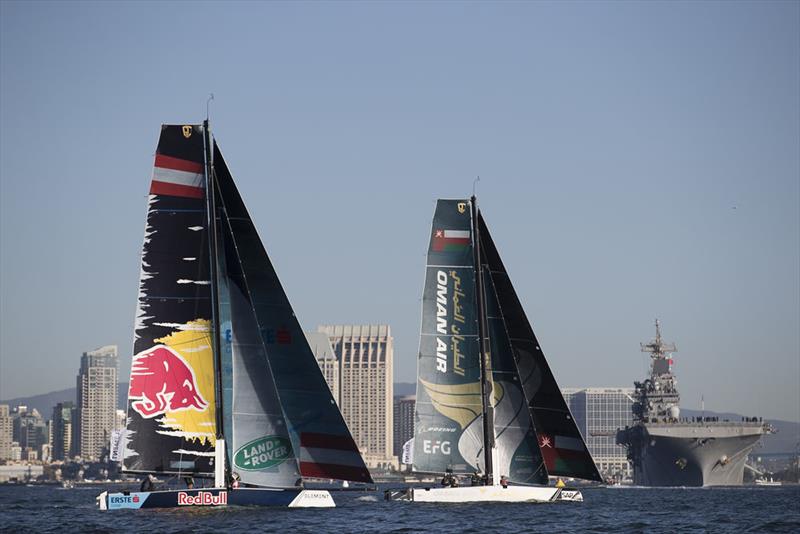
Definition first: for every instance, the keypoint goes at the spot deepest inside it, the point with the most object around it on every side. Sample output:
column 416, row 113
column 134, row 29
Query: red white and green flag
column 562, row 453
column 450, row 240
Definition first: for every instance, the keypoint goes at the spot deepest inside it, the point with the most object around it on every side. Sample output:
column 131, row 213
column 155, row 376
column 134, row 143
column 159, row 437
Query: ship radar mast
column 657, row 348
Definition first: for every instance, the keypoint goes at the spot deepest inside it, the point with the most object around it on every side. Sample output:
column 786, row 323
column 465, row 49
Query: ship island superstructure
column 668, row 450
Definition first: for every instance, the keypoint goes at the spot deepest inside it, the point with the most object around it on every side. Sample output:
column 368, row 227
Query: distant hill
column 401, row 389
column 45, row 402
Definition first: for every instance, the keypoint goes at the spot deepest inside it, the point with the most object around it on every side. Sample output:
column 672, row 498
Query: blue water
column 746, row 509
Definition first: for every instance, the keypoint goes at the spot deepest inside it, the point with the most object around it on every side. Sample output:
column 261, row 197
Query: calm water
column 775, row 509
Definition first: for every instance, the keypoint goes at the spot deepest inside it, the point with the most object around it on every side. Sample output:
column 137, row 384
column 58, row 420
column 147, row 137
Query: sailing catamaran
column 223, row 383
column 488, row 405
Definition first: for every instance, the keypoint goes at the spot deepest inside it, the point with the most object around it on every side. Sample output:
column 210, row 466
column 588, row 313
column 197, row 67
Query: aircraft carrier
column 667, row 450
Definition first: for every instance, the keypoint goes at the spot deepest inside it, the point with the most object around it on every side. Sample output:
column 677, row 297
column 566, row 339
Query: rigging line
column 475, row 185
column 208, row 103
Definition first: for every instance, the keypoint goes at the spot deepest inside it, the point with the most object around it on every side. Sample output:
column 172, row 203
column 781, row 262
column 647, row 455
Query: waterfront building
column 63, row 423
column 326, row 359
column 599, row 412
column 403, row 422
column 6, row 432
column 16, row 451
column 97, row 401
column 365, row 354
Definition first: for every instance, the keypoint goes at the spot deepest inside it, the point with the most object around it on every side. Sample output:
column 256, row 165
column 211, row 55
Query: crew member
column 147, row 483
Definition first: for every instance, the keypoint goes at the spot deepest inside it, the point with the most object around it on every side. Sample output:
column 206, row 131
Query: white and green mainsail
column 486, row 399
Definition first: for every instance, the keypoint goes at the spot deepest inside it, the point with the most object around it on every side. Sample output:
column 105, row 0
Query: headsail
column 261, row 451
column 171, row 418
column 560, row 442
column 518, row 457
column 448, row 430
column 319, row 440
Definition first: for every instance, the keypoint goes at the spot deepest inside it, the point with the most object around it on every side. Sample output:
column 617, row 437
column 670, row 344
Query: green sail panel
column 321, row 442
column 560, row 442
column 260, row 450
column 448, row 431
column 171, row 426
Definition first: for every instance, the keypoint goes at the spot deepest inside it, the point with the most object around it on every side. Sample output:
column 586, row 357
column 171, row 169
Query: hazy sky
column 637, row 160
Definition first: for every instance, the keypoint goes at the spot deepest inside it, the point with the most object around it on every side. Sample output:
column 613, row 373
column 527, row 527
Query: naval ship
column 667, row 450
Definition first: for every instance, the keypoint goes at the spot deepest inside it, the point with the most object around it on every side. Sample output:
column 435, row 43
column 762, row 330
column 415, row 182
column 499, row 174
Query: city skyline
column 631, row 168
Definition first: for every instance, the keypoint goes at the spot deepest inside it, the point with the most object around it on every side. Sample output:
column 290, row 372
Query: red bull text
column 162, row 381
column 204, row 498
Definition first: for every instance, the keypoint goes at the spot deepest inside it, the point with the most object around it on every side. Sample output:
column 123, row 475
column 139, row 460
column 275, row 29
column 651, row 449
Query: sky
column 636, row 160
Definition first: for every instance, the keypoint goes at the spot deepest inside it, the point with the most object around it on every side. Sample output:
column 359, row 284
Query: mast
column 488, row 434
column 220, row 466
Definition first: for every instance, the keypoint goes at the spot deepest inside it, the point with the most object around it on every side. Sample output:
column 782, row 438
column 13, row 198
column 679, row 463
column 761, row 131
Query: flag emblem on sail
column 560, row 452
column 177, row 177
column 450, row 240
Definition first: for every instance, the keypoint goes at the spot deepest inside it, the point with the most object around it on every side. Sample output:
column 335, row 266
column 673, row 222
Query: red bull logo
column 204, row 498
column 162, row 381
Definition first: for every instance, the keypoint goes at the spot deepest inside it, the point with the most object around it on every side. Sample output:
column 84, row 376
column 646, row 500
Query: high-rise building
column 403, row 421
column 328, row 361
column 599, row 412
column 29, row 429
column 63, row 424
column 365, row 354
column 97, row 401
column 6, row 432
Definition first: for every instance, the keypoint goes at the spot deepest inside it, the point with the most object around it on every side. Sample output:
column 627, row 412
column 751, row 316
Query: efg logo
column 435, row 446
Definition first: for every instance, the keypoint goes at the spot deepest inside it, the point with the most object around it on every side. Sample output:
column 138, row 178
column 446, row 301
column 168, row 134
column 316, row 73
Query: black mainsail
column 531, row 433
column 277, row 418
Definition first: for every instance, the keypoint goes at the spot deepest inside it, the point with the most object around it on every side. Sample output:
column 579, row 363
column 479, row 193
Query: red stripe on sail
column 313, row 440
column 336, row 471
column 176, row 190
column 177, row 164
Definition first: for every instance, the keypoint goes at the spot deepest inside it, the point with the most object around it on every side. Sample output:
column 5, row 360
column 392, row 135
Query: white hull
column 494, row 494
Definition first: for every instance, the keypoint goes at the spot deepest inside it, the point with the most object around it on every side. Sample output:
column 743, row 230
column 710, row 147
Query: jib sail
column 517, row 457
column 306, row 427
column 560, row 442
column 260, row 451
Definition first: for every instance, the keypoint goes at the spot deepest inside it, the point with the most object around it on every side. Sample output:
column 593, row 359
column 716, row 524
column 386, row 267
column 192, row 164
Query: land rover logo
column 262, row 453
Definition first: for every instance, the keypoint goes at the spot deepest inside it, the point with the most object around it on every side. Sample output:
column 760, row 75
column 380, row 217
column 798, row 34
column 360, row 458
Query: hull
column 215, row 497
column 689, row 455
column 466, row 494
